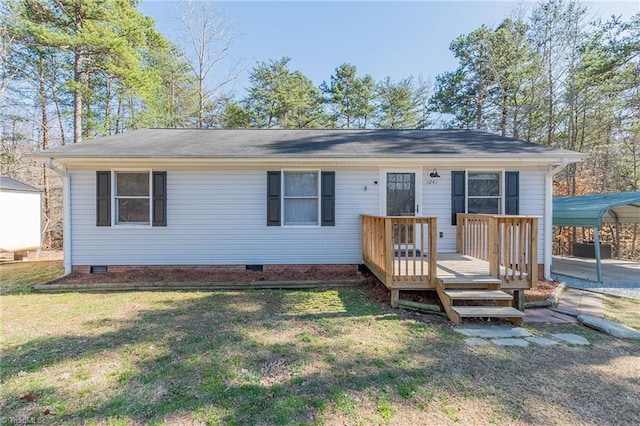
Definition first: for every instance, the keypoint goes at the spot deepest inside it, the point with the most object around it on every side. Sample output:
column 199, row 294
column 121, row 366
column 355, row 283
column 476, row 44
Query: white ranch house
column 297, row 197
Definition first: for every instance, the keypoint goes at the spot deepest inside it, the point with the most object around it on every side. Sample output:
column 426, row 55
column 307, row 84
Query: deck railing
column 401, row 250
column 508, row 243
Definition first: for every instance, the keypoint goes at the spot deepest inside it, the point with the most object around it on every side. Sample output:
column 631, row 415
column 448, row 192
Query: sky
column 381, row 38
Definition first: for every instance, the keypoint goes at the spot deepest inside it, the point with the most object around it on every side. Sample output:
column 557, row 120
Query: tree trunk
column 42, row 95
column 77, row 97
column 107, row 109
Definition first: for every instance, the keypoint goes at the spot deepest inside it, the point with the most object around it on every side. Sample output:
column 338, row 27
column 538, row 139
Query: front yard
column 291, row 357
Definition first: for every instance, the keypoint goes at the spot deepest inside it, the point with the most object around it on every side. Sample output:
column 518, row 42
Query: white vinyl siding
column 218, row 216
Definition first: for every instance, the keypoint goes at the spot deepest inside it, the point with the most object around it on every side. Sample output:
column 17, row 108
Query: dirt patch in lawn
column 186, row 274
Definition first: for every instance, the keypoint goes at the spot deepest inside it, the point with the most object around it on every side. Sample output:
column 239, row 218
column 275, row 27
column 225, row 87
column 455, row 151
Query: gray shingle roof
column 10, row 184
column 192, row 143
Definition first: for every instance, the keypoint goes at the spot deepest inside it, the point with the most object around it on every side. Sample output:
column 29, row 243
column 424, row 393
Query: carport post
column 596, row 240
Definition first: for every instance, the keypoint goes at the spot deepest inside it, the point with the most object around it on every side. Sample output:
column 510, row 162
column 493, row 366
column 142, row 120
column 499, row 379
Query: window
column 300, row 199
column 484, row 192
column 132, row 198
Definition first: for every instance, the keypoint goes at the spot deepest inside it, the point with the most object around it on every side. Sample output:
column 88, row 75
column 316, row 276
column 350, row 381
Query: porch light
column 434, row 174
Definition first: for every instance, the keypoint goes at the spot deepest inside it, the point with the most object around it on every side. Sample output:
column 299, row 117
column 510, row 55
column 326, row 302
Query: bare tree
column 210, row 38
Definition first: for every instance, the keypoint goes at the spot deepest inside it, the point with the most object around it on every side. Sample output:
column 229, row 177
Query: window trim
column 318, row 197
column 501, row 187
column 115, row 197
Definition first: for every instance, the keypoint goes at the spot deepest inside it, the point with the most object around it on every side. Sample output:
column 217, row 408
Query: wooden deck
column 494, row 253
column 451, row 267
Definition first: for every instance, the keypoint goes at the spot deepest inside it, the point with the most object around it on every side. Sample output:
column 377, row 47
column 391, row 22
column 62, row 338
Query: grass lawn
column 291, row 357
column 18, row 277
column 623, row 310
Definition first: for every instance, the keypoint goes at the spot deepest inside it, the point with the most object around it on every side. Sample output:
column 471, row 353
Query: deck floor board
column 450, row 266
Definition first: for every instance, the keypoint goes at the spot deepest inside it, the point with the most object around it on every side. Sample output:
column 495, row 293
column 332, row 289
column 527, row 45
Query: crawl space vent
column 98, row 269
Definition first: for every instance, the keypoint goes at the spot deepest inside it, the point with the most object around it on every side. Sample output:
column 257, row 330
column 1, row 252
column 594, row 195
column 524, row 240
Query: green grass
column 623, row 310
column 290, row 357
column 17, row 278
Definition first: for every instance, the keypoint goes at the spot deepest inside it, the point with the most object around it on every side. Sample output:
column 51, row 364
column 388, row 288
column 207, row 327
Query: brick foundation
column 335, row 268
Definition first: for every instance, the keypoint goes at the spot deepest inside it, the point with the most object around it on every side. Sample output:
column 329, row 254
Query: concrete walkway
column 580, row 302
column 613, row 271
column 573, row 302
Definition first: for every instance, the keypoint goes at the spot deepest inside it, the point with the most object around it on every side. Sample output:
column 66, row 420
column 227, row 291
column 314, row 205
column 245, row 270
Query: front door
column 402, row 200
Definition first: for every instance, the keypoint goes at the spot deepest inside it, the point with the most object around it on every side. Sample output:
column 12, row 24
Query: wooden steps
column 487, row 312
column 478, row 295
column 475, row 282
column 472, row 290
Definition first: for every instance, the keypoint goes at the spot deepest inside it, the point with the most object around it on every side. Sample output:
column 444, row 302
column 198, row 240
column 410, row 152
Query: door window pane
column 401, row 194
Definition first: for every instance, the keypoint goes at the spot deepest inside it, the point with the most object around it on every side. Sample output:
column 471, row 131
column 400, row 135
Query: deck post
column 389, row 251
column 433, row 252
column 395, row 298
column 518, row 299
column 533, row 254
column 459, row 233
column 493, row 247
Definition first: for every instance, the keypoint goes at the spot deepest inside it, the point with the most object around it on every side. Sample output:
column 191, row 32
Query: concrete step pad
column 477, row 294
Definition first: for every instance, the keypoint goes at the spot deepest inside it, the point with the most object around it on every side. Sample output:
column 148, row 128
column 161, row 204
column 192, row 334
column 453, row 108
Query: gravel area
column 614, row 289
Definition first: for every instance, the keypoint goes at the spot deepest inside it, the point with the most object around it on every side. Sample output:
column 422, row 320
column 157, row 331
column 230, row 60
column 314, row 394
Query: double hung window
column 484, row 192
column 300, row 200
column 131, row 198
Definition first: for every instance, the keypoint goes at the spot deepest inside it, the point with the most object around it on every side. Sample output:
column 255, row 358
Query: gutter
column 66, row 213
column 548, row 215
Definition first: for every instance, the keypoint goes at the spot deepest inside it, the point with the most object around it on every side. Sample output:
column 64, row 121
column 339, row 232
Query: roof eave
column 538, row 159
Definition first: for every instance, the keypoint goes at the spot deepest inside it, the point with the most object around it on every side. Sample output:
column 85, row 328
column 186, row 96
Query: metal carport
column 594, row 210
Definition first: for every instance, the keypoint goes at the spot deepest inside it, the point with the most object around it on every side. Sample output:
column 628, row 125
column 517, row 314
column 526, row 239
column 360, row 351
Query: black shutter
column 512, row 189
column 457, row 195
column 159, row 199
column 328, row 202
column 103, row 198
column 273, row 198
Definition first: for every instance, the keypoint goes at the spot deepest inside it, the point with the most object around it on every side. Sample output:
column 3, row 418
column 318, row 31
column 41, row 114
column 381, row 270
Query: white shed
column 20, row 216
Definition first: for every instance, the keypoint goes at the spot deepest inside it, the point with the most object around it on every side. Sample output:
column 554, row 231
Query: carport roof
column 594, row 210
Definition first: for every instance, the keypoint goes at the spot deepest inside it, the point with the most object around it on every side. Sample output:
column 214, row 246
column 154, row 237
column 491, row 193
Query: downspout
column 548, row 215
column 66, row 213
